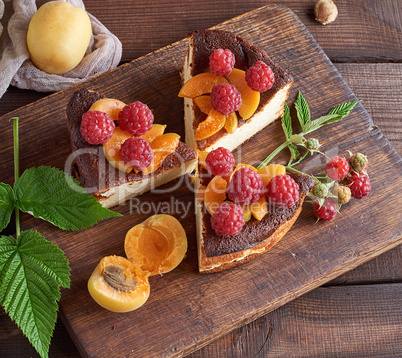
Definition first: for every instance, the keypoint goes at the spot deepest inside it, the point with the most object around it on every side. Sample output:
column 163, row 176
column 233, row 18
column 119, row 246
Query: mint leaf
column 286, row 121
column 6, row 204
column 343, row 109
column 52, row 195
column 303, row 110
column 31, row 271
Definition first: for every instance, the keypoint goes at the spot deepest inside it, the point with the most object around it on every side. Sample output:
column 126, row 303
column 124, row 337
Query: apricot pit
column 118, row 284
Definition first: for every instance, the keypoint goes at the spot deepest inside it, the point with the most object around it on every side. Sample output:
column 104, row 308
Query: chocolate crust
column 205, row 42
column 254, row 232
column 92, row 168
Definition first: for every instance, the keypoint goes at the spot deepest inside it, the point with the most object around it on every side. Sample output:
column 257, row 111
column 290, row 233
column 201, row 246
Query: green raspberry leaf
column 287, row 121
column 303, row 111
column 6, row 204
column 320, row 122
column 343, row 109
column 52, row 195
column 31, row 271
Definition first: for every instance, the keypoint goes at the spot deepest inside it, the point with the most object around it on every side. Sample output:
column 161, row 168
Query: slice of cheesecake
column 201, row 45
column 109, row 185
column 216, row 253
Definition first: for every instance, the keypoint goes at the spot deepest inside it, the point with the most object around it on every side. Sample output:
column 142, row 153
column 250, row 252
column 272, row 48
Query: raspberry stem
column 273, row 154
column 16, row 172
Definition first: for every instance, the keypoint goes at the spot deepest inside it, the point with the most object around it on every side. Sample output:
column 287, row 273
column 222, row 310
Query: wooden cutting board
column 187, row 310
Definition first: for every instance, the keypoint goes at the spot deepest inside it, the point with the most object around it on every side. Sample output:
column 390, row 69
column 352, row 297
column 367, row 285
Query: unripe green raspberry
column 359, row 162
column 320, row 190
column 343, row 193
column 313, row 144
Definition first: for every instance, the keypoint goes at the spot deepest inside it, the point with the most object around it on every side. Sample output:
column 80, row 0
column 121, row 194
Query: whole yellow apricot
column 58, row 37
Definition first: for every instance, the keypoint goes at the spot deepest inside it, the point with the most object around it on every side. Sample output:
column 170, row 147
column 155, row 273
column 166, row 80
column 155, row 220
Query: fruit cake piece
column 109, row 185
column 218, row 253
column 271, row 102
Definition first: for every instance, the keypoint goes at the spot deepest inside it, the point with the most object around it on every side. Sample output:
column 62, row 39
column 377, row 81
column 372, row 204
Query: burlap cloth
column 103, row 53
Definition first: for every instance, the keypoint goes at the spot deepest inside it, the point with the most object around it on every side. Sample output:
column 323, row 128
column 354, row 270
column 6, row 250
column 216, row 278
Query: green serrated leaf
column 303, row 111
column 294, row 152
column 52, row 195
column 31, row 271
column 6, row 204
column 286, row 121
column 321, row 121
column 343, row 109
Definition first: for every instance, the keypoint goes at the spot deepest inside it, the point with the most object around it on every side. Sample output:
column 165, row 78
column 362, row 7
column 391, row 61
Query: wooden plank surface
column 328, row 322
column 139, row 24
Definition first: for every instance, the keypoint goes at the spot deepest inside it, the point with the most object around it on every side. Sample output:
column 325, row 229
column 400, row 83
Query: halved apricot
column 108, row 105
column 203, row 103
column 249, row 99
column 118, row 284
column 112, row 149
column 215, row 194
column 231, row 123
column 200, row 84
column 162, row 146
column 156, row 131
column 259, row 208
column 268, row 172
column 157, row 245
column 211, row 125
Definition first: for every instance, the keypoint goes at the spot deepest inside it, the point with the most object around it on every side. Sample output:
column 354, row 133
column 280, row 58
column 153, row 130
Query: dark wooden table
column 358, row 314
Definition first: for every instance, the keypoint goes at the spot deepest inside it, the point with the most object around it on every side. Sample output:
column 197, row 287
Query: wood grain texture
column 309, row 255
column 319, row 324
column 376, row 85
column 139, row 24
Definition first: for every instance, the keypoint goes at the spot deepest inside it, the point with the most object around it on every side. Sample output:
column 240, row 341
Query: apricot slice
column 247, row 213
column 202, row 156
column 156, row 131
column 118, row 284
column 259, row 208
column 231, row 123
column 211, row 125
column 157, row 245
column 112, row 149
column 249, row 99
column 215, row 194
column 203, row 103
column 108, row 105
column 269, row 171
column 200, row 84
column 162, row 146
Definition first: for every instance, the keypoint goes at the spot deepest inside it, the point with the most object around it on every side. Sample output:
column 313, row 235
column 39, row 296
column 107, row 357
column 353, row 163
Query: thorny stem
column 16, row 172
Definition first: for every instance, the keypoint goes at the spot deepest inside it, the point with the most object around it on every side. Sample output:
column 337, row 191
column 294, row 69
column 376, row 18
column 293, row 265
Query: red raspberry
column 221, row 62
column 225, row 98
column 220, row 161
column 327, row 211
column 137, row 153
column 96, row 127
column 337, row 168
column 228, row 219
column 283, row 191
column 260, row 77
column 245, row 187
column 359, row 185
column 136, row 118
